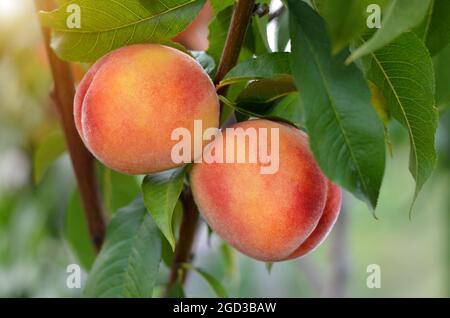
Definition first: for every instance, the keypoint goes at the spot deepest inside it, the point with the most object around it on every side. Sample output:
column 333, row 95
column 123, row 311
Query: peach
column 131, row 100
column 326, row 223
column 195, row 36
column 267, row 216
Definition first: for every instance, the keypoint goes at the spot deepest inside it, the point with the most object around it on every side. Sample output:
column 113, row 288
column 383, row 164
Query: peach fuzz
column 131, row 100
column 195, row 36
column 265, row 216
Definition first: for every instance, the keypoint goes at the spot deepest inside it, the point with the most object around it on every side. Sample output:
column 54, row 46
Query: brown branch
column 186, row 240
column 236, row 33
column 82, row 161
column 235, row 39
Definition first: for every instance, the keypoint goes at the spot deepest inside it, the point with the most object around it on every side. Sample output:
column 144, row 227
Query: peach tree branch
column 82, row 161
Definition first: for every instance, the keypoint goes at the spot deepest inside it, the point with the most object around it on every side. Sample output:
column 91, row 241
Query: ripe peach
column 131, row 100
column 266, row 216
column 195, row 36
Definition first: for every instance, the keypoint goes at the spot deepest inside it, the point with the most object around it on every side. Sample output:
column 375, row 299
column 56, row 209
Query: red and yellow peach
column 131, row 100
column 270, row 217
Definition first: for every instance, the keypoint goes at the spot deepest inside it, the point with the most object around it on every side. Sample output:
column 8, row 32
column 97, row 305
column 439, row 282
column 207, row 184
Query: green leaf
column 282, row 31
column 215, row 285
column 229, row 259
column 161, row 192
column 107, row 25
column 177, row 290
column 403, row 70
column 50, row 149
column 265, row 91
column 218, row 31
column 210, row 234
column 166, row 253
column 435, row 29
column 269, row 266
column 247, row 113
column 128, row 263
column 346, row 19
column 77, row 234
column 290, row 108
column 346, row 135
column 268, row 65
column 259, row 33
column 400, row 16
column 442, row 71
column 166, row 249
column 118, row 190
column 262, row 98
column 219, row 5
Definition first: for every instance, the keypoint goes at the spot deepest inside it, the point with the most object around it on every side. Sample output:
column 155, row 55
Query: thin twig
column 82, row 161
column 276, row 14
column 186, row 240
column 236, row 33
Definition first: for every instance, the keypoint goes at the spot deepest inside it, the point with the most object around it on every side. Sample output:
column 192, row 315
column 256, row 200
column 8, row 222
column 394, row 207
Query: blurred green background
column 414, row 255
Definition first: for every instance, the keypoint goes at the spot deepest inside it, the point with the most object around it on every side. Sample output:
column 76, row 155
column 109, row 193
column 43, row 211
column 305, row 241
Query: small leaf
column 77, row 234
column 403, row 70
column 161, row 192
column 166, row 249
column 266, row 91
column 215, row 285
column 400, row 16
column 177, row 290
column 248, row 113
column 265, row 66
column 229, row 258
column 107, row 25
column 210, row 234
column 128, row 263
column 269, row 266
column 50, row 149
column 346, row 135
